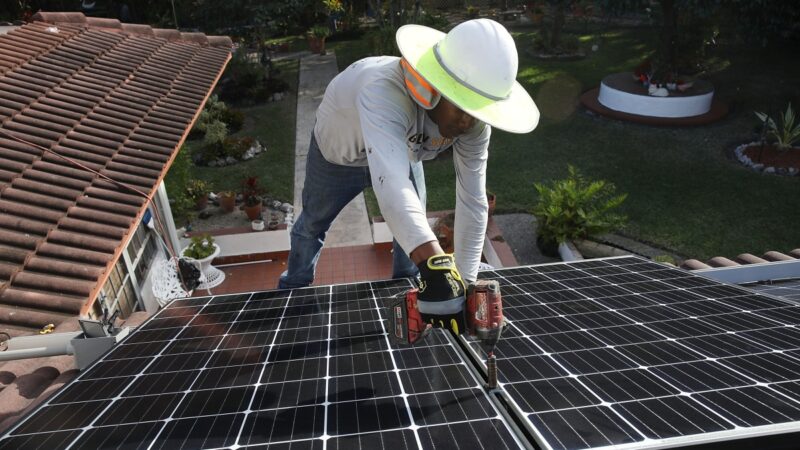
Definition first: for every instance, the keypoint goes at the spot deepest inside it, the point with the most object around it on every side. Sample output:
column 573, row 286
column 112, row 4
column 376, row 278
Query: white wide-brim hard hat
column 474, row 66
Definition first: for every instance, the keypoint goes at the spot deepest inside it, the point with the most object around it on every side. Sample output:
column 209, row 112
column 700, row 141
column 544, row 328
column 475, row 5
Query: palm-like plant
column 787, row 134
column 576, row 208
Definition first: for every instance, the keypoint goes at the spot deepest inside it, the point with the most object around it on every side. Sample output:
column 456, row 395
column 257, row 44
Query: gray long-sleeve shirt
column 367, row 117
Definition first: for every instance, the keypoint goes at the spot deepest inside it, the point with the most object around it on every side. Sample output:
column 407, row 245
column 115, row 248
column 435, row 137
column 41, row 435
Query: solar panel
column 309, row 368
column 626, row 352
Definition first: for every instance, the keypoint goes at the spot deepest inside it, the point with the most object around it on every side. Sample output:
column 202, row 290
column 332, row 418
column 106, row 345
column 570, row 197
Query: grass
column 273, row 124
column 685, row 193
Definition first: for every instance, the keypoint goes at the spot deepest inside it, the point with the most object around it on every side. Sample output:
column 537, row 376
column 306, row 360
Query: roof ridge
column 114, row 25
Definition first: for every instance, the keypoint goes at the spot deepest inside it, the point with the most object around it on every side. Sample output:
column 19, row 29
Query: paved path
column 352, row 227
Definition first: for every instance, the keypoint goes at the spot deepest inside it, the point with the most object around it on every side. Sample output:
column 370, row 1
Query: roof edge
column 172, row 35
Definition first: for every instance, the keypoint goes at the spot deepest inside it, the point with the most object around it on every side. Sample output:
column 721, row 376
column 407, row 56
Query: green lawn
column 273, row 124
column 685, row 194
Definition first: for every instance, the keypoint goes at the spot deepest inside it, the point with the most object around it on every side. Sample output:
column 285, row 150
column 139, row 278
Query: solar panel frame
column 210, row 409
column 557, row 379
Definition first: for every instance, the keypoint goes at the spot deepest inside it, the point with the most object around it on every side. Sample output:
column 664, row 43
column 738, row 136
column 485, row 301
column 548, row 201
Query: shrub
column 382, row 42
column 233, row 118
column 214, row 113
column 243, row 79
column 216, row 132
column 576, row 208
column 435, row 21
column 319, row 31
column 196, row 189
column 787, row 134
column 201, row 246
column 236, row 146
column 177, row 178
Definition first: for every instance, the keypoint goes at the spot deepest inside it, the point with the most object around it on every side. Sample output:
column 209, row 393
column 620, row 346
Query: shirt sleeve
column 472, row 209
column 386, row 117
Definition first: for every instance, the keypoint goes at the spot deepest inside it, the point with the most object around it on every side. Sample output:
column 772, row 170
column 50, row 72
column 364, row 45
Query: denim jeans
column 328, row 189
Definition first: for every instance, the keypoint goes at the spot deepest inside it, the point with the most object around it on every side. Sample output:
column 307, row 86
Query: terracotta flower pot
column 253, row 212
column 316, row 45
column 227, row 202
column 201, row 202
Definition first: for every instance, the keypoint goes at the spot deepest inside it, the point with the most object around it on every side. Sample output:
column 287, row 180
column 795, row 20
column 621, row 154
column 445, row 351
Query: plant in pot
column 316, row 38
column 251, row 196
column 197, row 192
column 227, row 201
column 575, row 208
column 203, row 249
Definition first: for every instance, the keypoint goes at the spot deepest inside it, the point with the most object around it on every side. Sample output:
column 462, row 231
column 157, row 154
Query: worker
column 380, row 118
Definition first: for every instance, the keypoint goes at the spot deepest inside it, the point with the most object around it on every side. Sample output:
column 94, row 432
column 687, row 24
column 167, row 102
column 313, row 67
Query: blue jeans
column 328, row 189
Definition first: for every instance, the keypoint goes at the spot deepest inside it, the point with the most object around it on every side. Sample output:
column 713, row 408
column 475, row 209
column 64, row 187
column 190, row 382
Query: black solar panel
column 625, row 351
column 309, row 368
column 598, row 353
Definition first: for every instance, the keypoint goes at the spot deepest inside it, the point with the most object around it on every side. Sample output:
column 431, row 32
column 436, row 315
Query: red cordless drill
column 484, row 318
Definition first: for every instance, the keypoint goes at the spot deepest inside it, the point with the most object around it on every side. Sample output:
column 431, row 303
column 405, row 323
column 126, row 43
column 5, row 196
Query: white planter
column 206, row 262
column 257, row 225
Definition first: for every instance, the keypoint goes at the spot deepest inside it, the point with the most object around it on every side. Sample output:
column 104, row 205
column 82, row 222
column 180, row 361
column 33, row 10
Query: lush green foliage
column 196, row 189
column 272, row 124
column 383, row 43
column 577, row 208
column 787, row 133
column 177, row 179
column 319, row 31
column 246, row 82
column 201, row 246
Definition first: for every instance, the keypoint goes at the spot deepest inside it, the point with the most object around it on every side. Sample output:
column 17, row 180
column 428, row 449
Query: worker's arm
column 470, row 155
column 425, row 251
column 386, row 116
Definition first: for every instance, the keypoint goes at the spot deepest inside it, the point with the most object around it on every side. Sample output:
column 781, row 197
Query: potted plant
column 575, row 208
column 316, row 38
column 227, row 201
column 197, row 192
column 251, row 196
column 203, row 249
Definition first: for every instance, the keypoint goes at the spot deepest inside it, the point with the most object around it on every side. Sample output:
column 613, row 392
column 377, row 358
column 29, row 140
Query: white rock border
column 758, row 167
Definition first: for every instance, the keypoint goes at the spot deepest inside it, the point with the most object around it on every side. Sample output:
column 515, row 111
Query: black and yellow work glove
column 441, row 297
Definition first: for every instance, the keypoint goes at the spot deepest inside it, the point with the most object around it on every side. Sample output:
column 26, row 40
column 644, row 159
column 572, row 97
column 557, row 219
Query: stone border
column 758, row 167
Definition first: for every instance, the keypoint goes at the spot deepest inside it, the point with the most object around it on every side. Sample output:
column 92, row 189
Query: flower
column 251, row 191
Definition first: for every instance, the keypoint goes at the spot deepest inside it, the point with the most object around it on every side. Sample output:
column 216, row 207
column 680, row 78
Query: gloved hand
column 441, row 298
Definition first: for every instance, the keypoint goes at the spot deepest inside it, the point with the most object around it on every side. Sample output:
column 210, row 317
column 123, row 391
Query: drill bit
column 491, row 371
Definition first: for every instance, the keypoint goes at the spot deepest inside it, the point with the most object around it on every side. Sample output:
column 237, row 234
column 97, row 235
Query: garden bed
column 768, row 158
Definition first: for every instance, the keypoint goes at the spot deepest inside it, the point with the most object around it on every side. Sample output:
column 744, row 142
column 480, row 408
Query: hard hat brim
column 516, row 114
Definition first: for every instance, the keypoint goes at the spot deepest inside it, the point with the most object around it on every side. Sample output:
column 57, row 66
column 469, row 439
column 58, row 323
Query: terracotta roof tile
column 117, row 98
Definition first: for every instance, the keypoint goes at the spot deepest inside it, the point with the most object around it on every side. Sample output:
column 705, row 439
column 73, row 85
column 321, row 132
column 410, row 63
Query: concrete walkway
column 352, row 227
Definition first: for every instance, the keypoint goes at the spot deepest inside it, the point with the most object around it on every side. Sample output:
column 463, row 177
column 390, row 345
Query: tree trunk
column 395, row 8
column 376, row 8
column 669, row 31
column 558, row 23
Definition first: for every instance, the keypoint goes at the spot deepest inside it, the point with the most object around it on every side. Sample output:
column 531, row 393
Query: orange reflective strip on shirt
column 417, row 86
column 416, row 94
column 418, row 77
